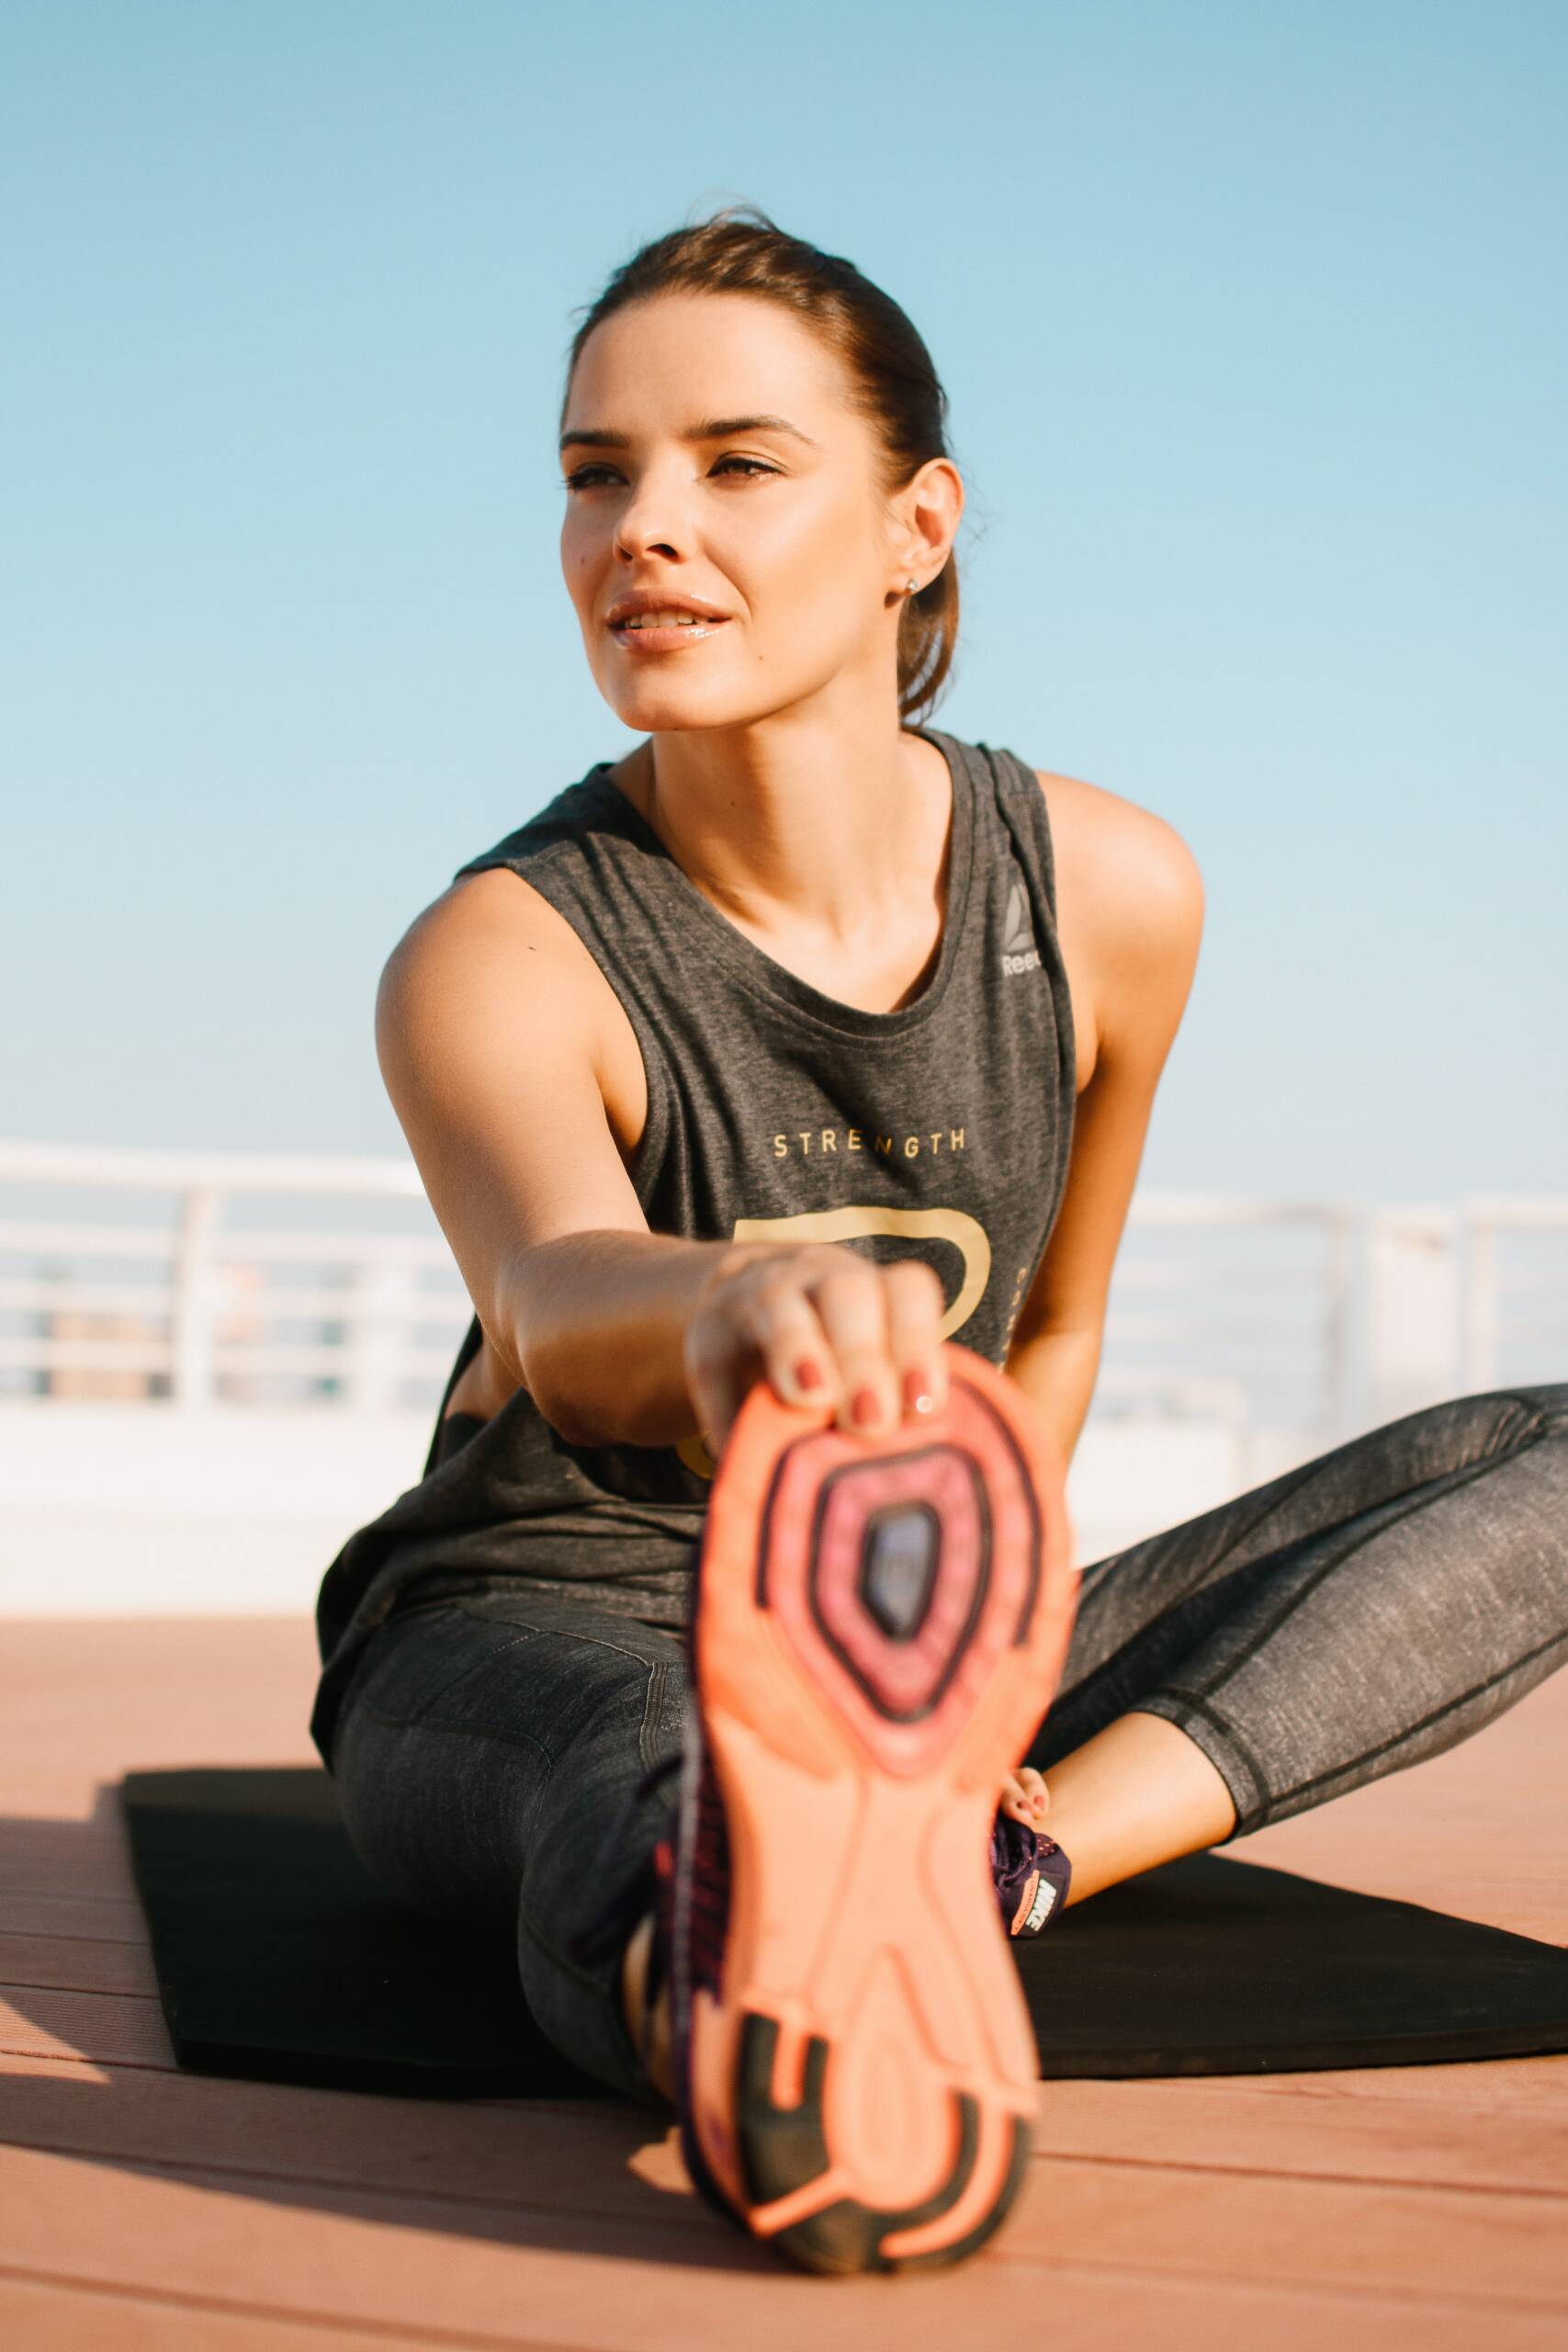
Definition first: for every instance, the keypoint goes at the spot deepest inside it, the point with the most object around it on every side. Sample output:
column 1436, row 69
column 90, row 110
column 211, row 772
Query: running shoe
column 878, row 1627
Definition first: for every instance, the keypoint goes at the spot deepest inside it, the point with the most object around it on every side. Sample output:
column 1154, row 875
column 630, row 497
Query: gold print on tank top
column 965, row 1233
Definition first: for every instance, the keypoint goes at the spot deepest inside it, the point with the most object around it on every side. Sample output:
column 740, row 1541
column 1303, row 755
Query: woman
column 792, row 1074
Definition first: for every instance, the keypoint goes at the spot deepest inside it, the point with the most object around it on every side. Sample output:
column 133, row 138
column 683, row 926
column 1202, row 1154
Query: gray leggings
column 1349, row 1618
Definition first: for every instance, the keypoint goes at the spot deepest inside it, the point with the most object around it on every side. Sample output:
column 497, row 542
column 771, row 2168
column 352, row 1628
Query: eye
column 586, row 476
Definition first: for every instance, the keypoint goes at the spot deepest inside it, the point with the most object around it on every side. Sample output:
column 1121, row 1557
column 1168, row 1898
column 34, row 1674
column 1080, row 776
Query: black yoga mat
column 278, row 1956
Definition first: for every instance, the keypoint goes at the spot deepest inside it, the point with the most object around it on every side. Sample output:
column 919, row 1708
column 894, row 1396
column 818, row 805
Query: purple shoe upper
column 1030, row 1872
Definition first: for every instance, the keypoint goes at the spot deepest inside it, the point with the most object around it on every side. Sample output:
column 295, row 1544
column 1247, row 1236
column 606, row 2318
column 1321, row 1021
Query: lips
column 664, row 628
column 670, row 617
column 642, row 603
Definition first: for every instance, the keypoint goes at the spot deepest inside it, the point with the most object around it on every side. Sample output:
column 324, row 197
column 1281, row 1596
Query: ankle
column 650, row 2030
column 1138, row 1794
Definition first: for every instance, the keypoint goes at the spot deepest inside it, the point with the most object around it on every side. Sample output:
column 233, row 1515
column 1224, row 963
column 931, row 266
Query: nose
column 652, row 520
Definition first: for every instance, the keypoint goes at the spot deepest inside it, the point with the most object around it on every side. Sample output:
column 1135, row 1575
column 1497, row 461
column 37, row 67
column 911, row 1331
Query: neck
column 798, row 825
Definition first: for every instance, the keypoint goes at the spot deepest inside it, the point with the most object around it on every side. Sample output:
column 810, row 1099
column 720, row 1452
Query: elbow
column 552, row 1379
column 525, row 1341
column 586, row 1413
column 571, row 1422
column 576, row 1389
column 597, row 1370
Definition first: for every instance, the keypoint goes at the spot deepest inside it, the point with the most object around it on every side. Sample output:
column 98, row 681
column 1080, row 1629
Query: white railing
column 1515, row 1310
column 149, row 1276
column 1237, row 1310
column 187, row 1279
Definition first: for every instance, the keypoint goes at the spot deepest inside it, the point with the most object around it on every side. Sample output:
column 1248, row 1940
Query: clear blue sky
column 1252, row 318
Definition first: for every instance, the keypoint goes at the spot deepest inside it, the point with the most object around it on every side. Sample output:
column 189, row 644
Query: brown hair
column 894, row 384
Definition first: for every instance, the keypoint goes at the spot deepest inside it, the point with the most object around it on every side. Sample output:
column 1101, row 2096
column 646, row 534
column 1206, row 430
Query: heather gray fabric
column 1349, row 1618
column 941, row 1131
column 487, row 1766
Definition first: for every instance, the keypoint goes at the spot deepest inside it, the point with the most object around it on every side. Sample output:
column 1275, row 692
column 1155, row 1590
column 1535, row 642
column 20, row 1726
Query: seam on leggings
column 1231, row 1738
column 1302, row 1478
column 1205, row 1579
column 1424, row 1723
column 653, row 1701
column 1210, row 1587
column 1466, row 1475
column 1311, row 1470
column 459, row 1731
column 471, row 1666
column 563, row 1634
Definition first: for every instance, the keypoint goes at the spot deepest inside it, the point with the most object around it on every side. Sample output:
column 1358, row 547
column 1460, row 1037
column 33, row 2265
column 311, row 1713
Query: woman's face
column 782, row 533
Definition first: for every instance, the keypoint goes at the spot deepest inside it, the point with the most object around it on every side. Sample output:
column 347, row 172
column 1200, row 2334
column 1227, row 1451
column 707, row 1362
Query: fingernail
column 808, row 1375
column 918, row 1397
column 864, row 1408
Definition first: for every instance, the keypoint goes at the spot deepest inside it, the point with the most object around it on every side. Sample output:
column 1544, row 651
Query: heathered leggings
column 1346, row 1619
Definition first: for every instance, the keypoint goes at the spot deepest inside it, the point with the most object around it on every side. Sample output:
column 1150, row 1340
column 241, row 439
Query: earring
column 910, row 590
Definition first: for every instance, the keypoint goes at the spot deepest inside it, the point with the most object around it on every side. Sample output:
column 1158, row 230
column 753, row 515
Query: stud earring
column 910, row 590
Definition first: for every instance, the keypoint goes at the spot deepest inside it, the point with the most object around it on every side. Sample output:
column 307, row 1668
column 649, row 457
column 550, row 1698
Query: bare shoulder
column 491, row 967
column 496, row 911
column 1129, row 908
column 1118, row 857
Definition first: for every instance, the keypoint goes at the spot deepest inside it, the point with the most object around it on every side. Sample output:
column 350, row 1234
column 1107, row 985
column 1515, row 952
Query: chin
column 667, row 708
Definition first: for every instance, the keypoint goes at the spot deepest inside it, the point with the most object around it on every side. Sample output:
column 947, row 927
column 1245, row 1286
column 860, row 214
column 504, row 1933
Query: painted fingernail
column 918, row 1397
column 808, row 1375
column 864, row 1408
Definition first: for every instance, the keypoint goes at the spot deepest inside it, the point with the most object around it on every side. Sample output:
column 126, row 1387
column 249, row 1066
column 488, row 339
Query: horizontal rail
column 217, row 1172
column 1331, row 1309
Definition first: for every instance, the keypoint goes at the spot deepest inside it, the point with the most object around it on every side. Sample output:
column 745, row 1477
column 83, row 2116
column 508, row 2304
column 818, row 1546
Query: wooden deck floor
column 149, row 2211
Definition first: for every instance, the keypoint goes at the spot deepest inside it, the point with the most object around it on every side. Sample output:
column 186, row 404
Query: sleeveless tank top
column 940, row 1130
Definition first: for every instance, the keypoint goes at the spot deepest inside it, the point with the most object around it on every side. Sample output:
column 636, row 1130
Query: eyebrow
column 711, row 428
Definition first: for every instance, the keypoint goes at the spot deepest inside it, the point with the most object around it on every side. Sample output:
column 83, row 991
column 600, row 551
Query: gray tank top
column 939, row 1131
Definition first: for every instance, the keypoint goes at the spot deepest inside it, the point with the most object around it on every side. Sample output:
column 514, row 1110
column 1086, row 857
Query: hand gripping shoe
column 878, row 1627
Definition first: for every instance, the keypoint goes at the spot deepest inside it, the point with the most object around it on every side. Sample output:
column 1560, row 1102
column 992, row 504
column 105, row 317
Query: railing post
column 1481, row 1303
column 194, row 1300
column 1340, row 1384
column 382, row 1311
column 1413, row 1341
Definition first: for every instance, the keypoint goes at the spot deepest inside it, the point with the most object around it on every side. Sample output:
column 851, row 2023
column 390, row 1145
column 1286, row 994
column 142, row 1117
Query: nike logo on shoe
column 1039, row 1910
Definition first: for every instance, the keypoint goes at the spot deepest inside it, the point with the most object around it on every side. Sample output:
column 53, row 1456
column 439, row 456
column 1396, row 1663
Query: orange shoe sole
column 880, row 1625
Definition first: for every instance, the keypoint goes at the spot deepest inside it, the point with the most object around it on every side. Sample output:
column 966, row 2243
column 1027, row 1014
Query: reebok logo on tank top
column 1018, row 952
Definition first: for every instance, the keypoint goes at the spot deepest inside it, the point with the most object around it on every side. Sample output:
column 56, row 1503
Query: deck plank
column 1509, row 2133
column 353, row 2257
column 46, row 2315
column 1090, row 2314
column 74, row 1964
column 548, row 2152
column 127, row 2029
column 78, row 1918
column 586, row 2157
